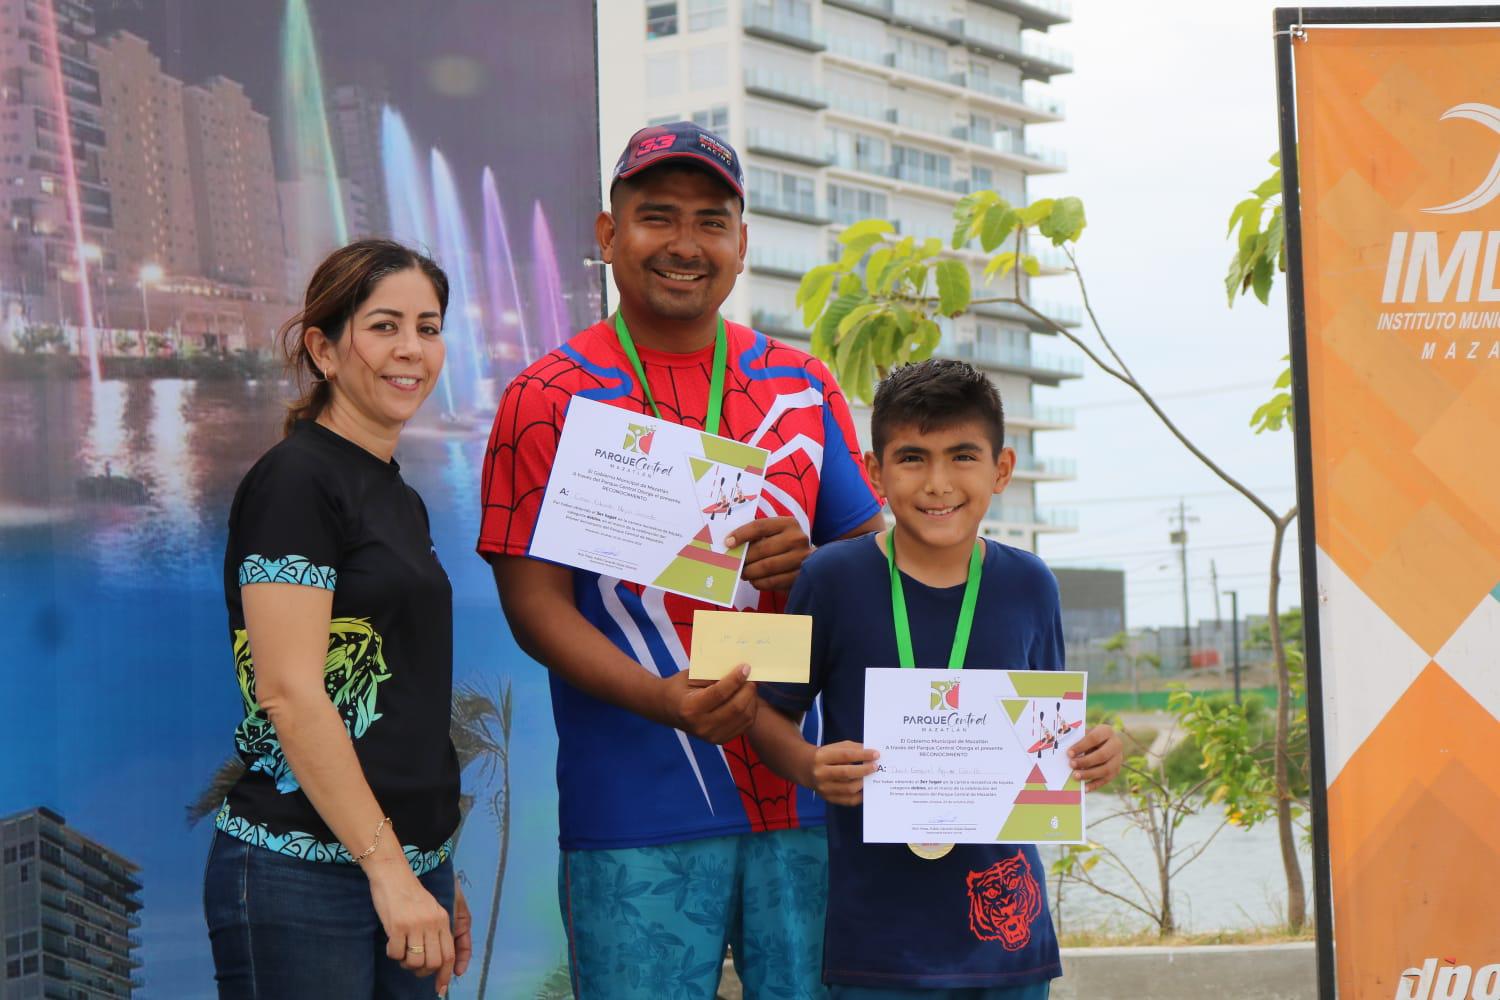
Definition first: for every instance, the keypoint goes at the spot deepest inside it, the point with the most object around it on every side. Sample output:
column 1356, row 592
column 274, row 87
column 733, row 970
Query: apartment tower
column 850, row 109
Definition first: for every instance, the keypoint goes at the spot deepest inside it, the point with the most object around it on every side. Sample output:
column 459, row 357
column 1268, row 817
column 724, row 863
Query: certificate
column 974, row 756
column 648, row 501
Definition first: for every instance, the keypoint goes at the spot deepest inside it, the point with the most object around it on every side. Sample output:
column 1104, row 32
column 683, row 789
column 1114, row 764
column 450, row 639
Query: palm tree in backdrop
column 481, row 736
column 480, row 729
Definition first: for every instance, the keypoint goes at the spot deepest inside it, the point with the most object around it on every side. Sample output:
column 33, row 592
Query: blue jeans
column 287, row 929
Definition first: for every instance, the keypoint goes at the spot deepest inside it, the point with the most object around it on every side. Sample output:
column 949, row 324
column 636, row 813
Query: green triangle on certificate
column 699, row 466
column 1014, row 707
column 1042, row 822
column 1047, row 684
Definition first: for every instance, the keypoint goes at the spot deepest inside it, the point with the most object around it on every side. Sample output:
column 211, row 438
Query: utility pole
column 1213, row 576
column 1234, row 610
column 1179, row 537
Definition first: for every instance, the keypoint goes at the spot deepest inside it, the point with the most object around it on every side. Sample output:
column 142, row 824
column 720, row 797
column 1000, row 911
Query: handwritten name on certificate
column 648, row 501
column 777, row 647
column 974, row 756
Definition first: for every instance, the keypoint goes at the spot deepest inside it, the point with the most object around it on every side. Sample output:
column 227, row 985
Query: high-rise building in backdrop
column 851, row 109
column 51, row 126
column 146, row 165
column 229, row 146
column 69, row 911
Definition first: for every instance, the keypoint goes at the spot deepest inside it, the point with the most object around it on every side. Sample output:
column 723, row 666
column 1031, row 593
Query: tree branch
column 1123, row 375
column 1088, row 880
column 1201, row 848
column 1088, row 307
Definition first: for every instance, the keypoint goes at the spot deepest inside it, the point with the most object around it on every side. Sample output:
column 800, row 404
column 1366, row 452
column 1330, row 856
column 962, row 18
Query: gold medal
column 930, row 852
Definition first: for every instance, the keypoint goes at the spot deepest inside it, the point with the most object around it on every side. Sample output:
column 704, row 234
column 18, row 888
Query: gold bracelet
column 379, row 829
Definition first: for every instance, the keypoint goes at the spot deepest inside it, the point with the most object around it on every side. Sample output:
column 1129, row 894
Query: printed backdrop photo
column 173, row 171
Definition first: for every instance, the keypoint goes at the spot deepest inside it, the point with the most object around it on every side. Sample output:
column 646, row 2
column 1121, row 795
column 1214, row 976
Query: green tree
column 1260, row 254
column 1156, row 799
column 874, row 308
column 41, row 339
column 1133, row 660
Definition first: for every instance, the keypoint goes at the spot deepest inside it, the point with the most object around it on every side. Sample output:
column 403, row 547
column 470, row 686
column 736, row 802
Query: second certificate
column 648, row 501
column 974, row 757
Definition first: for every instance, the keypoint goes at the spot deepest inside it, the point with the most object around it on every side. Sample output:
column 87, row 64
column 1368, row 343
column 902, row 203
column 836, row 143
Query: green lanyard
column 965, row 612
column 716, row 384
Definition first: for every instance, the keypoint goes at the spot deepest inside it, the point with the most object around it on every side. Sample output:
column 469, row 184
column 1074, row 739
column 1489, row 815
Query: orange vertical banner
column 1397, row 166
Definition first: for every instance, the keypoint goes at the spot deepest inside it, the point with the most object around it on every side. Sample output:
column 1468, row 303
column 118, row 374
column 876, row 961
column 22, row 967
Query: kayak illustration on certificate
column 974, row 758
column 648, row 501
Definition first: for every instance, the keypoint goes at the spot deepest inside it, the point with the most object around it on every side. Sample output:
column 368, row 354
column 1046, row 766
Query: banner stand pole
column 1289, row 30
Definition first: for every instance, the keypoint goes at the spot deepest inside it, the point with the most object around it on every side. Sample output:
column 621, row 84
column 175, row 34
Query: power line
column 1095, row 557
column 1158, row 497
column 1185, row 394
column 1203, row 580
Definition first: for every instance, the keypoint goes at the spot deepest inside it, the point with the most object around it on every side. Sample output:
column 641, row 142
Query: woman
column 329, row 874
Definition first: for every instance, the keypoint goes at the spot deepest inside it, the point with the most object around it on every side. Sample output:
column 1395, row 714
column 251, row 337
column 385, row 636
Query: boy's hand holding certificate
column 649, row 501
column 974, row 756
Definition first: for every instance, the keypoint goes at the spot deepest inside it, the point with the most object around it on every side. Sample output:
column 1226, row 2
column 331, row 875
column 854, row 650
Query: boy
column 972, row 923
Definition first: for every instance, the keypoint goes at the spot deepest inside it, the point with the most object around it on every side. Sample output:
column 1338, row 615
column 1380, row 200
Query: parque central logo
column 944, row 694
column 638, row 438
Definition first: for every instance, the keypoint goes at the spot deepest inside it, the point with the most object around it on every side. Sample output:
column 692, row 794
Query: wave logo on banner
column 1490, row 188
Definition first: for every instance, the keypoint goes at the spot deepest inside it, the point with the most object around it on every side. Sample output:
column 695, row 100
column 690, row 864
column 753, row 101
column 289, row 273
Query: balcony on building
column 867, row 55
column 785, row 326
column 776, row 263
column 1061, row 313
column 1053, row 261
column 1027, row 106
column 1022, row 154
column 801, row 149
column 778, row 27
column 1038, row 417
column 1038, row 519
column 1038, row 15
column 1045, row 468
column 902, row 176
column 1037, row 60
column 1046, row 369
column 908, row 14
column 803, row 208
column 782, row 87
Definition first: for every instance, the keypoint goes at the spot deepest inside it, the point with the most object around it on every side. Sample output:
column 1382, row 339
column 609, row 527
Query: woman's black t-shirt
column 318, row 510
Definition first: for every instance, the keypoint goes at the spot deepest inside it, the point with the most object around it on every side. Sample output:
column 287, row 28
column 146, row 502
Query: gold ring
column 415, row 949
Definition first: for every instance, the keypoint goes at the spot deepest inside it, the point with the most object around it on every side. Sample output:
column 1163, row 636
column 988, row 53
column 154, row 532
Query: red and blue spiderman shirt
column 624, row 781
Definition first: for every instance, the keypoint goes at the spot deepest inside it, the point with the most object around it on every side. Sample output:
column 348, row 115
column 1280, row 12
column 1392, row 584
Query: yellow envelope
column 777, row 647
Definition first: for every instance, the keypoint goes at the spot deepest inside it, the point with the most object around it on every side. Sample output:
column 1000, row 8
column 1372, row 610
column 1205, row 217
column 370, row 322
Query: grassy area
column 1255, row 935
column 1156, row 701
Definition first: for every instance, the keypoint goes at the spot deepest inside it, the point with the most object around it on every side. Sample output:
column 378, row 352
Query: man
column 675, row 838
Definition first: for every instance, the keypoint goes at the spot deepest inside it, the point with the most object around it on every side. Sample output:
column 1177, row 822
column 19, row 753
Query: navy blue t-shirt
column 977, row 917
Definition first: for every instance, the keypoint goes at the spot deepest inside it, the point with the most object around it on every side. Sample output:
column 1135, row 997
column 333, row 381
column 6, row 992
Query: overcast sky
column 1171, row 117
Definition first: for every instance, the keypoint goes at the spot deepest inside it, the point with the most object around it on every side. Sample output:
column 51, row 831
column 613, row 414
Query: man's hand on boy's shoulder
column 778, row 548
column 1097, row 757
column 839, row 771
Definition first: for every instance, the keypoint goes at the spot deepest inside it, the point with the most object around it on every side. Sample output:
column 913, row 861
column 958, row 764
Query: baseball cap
column 656, row 144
